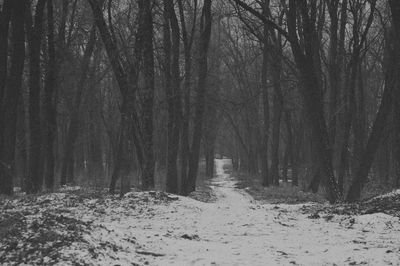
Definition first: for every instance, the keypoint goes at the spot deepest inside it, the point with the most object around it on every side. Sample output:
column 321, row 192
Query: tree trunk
column 187, row 44
column 148, row 96
column 265, row 135
column 121, row 161
column 276, row 121
column 117, row 160
column 49, row 103
column 35, row 33
column 5, row 16
column 395, row 11
column 173, row 95
column 209, row 155
column 11, row 94
column 359, row 122
column 205, row 34
column 288, row 157
column 333, row 68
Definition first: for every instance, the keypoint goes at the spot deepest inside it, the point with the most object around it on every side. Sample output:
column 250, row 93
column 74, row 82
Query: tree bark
column 35, row 34
column 11, row 94
column 173, row 96
column 395, row 11
column 205, row 34
column 49, row 103
column 265, row 101
column 148, row 96
column 276, row 117
column 288, row 157
column 5, row 16
column 187, row 46
column 264, row 153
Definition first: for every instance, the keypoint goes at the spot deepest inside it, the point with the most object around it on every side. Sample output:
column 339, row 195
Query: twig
column 144, row 252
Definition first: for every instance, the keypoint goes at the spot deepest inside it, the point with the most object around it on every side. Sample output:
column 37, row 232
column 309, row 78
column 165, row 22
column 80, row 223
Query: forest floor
column 155, row 228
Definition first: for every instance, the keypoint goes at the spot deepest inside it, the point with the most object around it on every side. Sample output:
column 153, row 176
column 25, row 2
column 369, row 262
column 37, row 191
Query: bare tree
column 205, row 34
column 12, row 92
column 35, row 36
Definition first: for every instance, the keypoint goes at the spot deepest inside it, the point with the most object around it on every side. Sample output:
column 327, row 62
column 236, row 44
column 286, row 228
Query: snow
column 234, row 230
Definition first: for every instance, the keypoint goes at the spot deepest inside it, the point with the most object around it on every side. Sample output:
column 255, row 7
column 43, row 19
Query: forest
column 143, row 93
column 199, row 132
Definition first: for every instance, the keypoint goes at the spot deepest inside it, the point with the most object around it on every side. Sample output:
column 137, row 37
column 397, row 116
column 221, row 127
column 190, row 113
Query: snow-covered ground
column 234, row 230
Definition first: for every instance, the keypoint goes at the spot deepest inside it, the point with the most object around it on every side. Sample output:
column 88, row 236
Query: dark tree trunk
column 209, row 155
column 298, row 141
column 339, row 81
column 148, row 96
column 187, row 44
column 5, row 16
column 336, row 56
column 122, row 162
column 35, row 33
column 210, row 136
column 288, row 157
column 173, row 95
column 395, row 11
column 49, row 103
column 359, row 122
column 276, row 121
column 265, row 102
column 67, row 168
column 333, row 69
column 118, row 159
column 11, row 94
column 205, row 34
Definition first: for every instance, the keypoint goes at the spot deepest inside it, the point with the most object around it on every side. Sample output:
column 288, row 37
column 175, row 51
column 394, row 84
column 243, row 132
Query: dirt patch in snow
column 204, row 194
column 286, row 193
column 388, row 204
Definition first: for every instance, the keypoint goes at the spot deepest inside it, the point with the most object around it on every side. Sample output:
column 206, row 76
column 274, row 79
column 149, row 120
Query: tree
column 49, row 102
column 35, row 34
column 8, row 116
column 187, row 37
column 171, row 46
column 205, row 34
column 395, row 12
column 148, row 95
column 5, row 17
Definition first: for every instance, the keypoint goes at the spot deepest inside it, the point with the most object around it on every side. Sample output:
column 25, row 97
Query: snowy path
column 235, row 230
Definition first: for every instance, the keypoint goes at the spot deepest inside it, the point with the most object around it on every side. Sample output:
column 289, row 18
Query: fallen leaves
column 36, row 230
